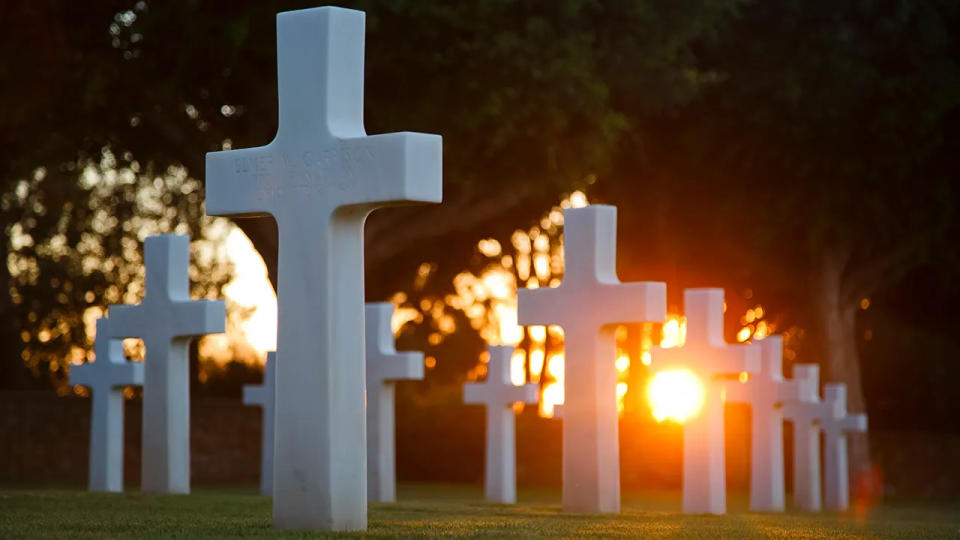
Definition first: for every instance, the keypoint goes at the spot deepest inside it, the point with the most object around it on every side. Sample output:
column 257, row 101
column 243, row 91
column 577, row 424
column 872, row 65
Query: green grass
column 434, row 510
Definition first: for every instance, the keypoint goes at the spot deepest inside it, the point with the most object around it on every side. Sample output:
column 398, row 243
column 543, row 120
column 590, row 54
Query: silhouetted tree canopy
column 803, row 150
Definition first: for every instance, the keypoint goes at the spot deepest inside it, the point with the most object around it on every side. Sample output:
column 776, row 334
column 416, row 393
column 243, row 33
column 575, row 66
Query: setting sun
column 675, row 395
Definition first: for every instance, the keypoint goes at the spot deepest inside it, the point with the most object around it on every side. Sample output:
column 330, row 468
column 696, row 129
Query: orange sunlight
column 675, row 395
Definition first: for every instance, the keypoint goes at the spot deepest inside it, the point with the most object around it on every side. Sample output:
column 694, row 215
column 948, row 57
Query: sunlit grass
column 438, row 510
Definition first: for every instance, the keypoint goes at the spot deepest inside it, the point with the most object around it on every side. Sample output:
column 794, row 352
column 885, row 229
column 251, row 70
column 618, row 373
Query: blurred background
column 801, row 155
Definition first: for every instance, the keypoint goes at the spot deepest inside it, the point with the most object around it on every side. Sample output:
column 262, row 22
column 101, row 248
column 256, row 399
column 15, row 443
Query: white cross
column 385, row 366
column 167, row 320
column 765, row 393
column 319, row 178
column 499, row 394
column 264, row 396
column 707, row 355
column 588, row 304
column 836, row 493
column 106, row 377
column 805, row 413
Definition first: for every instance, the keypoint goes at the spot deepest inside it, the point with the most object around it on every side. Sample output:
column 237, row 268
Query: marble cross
column 167, row 320
column 835, row 426
column 385, row 366
column 765, row 393
column 499, row 394
column 708, row 356
column 106, row 377
column 264, row 396
column 319, row 178
column 805, row 413
column 588, row 304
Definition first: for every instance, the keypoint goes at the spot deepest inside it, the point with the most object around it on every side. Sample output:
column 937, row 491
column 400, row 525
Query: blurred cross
column 835, row 426
column 264, row 396
column 499, row 394
column 167, row 320
column 805, row 412
column 587, row 304
column 319, row 178
column 765, row 393
column 385, row 366
column 106, row 377
column 706, row 354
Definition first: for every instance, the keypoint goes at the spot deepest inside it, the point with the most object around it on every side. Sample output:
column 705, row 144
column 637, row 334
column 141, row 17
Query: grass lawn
column 434, row 510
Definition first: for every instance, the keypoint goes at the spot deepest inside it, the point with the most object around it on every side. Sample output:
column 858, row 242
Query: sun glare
column 675, row 395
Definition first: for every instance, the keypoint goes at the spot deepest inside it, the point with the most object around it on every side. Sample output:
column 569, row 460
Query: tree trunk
column 836, row 324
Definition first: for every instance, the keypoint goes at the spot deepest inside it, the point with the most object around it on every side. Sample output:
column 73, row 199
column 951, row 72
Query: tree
column 819, row 170
column 522, row 94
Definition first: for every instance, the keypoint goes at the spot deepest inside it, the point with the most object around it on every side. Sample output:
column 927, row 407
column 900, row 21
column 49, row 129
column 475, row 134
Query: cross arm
column 393, row 168
column 200, row 317
column 475, row 394
column 789, row 391
column 399, row 366
column 84, row 375
column 543, row 306
column 125, row 373
column 854, row 422
column 242, row 182
column 642, row 301
column 254, row 394
column 111, row 375
column 525, row 393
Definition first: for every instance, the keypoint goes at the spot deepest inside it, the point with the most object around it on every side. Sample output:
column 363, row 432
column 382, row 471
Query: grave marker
column 587, row 304
column 499, row 394
column 106, row 378
column 167, row 320
column 264, row 396
column 319, row 178
column 385, row 366
column 805, row 413
column 706, row 354
column 765, row 393
column 835, row 426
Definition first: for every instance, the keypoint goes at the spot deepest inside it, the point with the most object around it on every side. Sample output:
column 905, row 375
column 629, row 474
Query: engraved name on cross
column 319, row 178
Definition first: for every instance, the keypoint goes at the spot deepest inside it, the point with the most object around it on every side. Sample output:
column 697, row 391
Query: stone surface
column 765, row 393
column 805, row 413
column 264, row 396
column 167, row 320
column 708, row 356
column 385, row 366
column 106, row 377
column 319, row 178
column 499, row 394
column 835, row 426
column 588, row 304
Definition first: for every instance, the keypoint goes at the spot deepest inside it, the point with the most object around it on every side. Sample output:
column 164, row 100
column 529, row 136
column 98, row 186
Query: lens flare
column 675, row 395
